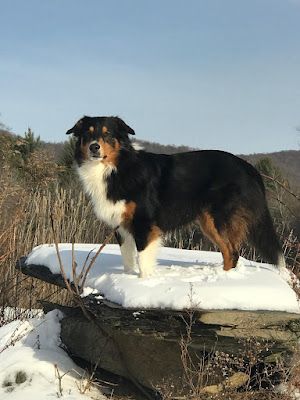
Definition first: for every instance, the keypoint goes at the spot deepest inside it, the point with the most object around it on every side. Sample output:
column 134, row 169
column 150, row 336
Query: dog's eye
column 109, row 139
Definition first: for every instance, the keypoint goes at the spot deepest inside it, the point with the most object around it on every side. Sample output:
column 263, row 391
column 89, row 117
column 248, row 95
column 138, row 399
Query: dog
column 145, row 195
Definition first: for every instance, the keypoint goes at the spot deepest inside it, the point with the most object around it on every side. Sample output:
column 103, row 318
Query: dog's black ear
column 123, row 127
column 77, row 128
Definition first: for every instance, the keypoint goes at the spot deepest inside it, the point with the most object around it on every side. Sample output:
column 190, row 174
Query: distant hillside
column 287, row 161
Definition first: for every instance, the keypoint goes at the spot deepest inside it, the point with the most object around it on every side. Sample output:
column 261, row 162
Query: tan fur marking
column 91, row 129
column 238, row 227
column 104, row 130
column 154, row 234
column 110, row 152
column 128, row 214
column 209, row 229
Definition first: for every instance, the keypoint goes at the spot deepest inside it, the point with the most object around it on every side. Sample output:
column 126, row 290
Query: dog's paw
column 130, row 270
column 146, row 274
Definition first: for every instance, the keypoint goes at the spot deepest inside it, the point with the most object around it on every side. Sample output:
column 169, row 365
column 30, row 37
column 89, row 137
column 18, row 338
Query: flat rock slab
column 183, row 279
column 150, row 341
column 145, row 342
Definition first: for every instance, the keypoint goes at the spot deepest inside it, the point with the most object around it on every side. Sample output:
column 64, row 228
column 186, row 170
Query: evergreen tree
column 268, row 169
column 66, row 158
column 27, row 145
column 66, row 161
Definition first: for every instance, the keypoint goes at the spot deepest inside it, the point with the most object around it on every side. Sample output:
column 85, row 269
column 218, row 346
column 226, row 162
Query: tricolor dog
column 145, row 195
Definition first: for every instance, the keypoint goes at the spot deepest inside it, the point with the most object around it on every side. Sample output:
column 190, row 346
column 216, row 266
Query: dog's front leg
column 128, row 250
column 147, row 245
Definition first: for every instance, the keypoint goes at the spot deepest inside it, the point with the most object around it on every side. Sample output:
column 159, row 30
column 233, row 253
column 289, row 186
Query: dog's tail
column 264, row 238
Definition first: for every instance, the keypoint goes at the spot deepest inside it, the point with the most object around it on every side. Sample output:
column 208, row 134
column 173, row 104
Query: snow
column 28, row 352
column 183, row 279
column 9, row 314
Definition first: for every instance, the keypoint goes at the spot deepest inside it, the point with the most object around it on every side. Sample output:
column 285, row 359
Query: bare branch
column 284, row 204
column 67, row 283
column 106, row 241
column 281, row 185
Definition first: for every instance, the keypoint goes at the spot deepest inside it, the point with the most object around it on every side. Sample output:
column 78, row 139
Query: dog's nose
column 94, row 147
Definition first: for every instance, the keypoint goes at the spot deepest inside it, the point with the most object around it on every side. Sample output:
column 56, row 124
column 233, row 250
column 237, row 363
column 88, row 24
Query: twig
column 67, row 283
column 84, row 265
column 74, row 265
column 281, row 185
column 284, row 204
column 59, row 377
column 106, row 241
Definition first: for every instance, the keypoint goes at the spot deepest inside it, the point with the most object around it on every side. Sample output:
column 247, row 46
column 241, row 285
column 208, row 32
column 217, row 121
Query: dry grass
column 25, row 219
column 245, row 375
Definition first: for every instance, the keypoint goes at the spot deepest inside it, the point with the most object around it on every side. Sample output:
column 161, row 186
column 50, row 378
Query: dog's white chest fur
column 92, row 175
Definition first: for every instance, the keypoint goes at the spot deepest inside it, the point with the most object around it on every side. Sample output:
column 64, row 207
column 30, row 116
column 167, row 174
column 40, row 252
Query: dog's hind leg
column 237, row 230
column 128, row 250
column 220, row 239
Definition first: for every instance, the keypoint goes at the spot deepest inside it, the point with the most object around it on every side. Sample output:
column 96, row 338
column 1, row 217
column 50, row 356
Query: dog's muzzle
column 95, row 151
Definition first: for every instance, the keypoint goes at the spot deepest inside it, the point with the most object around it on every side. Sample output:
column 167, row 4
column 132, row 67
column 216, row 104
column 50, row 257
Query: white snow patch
column 137, row 146
column 9, row 314
column 182, row 279
column 28, row 351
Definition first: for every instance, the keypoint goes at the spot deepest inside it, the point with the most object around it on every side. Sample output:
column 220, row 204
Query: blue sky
column 204, row 73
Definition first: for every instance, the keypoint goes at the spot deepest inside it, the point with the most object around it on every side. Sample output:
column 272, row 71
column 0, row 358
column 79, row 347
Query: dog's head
column 100, row 139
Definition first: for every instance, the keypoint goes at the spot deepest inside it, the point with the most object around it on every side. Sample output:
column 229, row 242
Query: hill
column 287, row 161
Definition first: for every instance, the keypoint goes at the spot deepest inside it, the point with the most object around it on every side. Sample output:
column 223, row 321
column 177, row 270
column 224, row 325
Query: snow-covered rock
column 182, row 279
column 29, row 350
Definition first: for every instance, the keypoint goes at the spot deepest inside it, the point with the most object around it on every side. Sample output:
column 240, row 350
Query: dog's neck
column 94, row 175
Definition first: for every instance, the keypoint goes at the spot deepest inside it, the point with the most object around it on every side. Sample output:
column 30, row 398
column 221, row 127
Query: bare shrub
column 28, row 225
column 247, row 374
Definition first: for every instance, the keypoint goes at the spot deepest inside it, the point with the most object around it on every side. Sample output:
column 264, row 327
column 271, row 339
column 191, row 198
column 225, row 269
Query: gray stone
column 145, row 345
